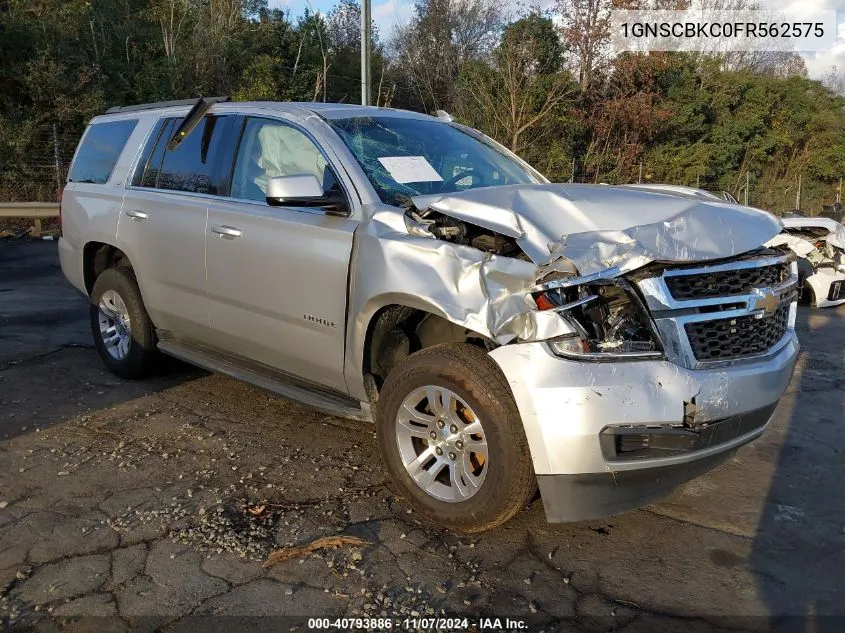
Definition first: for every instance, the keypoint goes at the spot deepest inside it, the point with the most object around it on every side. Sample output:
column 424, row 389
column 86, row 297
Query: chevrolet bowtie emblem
column 768, row 303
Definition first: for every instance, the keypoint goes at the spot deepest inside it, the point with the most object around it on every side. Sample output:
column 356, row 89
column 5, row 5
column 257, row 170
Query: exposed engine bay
column 546, row 262
column 465, row 234
column 608, row 317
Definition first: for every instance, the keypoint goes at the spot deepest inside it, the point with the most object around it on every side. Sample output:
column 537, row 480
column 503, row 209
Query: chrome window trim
column 257, row 203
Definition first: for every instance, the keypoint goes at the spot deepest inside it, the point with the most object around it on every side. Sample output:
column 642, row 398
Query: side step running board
column 265, row 378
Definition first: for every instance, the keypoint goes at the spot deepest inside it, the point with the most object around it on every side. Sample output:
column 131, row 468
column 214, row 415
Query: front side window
column 271, row 148
column 404, row 157
column 100, row 149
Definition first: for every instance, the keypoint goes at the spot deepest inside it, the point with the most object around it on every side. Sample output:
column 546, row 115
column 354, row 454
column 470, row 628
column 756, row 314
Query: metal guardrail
column 33, row 210
column 29, row 210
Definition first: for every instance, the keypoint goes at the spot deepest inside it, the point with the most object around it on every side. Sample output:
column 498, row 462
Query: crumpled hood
column 599, row 227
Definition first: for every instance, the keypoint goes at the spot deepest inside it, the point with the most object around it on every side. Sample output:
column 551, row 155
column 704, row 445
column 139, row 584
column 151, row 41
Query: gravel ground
column 151, row 506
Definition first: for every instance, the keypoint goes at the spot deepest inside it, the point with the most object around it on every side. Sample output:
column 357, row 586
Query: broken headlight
column 609, row 318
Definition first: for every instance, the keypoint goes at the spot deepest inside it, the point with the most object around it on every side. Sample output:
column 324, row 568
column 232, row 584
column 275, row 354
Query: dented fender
column 479, row 291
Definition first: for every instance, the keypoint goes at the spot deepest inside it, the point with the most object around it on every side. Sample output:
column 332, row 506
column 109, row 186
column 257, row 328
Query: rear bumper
column 71, row 261
column 569, row 408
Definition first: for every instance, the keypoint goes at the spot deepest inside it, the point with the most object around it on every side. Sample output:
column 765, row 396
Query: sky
column 820, row 64
column 388, row 13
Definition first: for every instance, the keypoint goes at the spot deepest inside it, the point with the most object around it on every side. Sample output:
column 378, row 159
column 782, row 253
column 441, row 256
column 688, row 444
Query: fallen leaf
column 256, row 510
column 281, row 555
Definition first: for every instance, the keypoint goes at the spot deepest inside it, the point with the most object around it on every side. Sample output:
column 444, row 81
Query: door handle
column 226, row 232
column 137, row 215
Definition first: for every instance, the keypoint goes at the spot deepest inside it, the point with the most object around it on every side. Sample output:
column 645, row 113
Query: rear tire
column 123, row 333
column 483, row 468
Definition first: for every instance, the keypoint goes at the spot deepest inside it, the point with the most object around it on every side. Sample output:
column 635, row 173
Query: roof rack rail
column 164, row 104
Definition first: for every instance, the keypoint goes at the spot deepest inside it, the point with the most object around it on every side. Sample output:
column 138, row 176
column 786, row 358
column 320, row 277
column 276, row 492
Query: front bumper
column 565, row 405
column 568, row 498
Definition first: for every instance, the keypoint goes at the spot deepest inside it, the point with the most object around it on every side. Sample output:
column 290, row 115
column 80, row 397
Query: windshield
column 406, row 157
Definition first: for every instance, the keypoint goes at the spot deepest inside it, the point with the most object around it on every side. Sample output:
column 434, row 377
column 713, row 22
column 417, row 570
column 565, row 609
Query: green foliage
column 64, row 61
column 673, row 118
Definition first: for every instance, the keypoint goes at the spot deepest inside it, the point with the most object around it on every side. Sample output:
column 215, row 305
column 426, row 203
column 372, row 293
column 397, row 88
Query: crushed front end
column 669, row 369
column 645, row 336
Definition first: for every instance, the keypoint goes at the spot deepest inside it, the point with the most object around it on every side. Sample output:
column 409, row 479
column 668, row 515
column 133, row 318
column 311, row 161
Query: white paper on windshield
column 405, row 169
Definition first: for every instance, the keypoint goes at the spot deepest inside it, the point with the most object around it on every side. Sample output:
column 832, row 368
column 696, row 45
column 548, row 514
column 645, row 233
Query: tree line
column 544, row 84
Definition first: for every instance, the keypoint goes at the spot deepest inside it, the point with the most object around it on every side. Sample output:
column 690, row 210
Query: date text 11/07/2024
column 419, row 623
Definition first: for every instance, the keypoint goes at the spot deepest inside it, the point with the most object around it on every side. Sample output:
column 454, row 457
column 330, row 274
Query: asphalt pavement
column 152, row 505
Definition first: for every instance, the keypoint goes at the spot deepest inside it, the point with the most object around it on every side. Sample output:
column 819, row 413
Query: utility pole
column 798, row 195
column 572, row 175
column 366, row 36
column 640, row 174
column 747, row 181
column 839, row 193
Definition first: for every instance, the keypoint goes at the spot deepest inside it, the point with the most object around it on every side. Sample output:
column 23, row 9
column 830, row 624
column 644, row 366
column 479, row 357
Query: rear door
column 164, row 220
column 277, row 276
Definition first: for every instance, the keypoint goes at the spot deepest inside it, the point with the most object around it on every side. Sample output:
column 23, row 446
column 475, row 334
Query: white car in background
column 820, row 245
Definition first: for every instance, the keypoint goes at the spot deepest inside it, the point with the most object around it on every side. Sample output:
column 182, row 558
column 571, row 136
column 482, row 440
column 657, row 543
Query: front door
column 277, row 276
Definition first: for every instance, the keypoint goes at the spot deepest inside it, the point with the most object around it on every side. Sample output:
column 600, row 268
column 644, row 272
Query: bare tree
column 171, row 16
column 441, row 38
column 835, row 80
column 585, row 27
column 523, row 88
column 781, row 64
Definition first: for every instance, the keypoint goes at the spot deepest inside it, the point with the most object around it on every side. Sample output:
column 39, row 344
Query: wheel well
column 808, row 295
column 397, row 331
column 97, row 257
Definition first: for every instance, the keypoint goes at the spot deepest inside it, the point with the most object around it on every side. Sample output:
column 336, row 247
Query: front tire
column 123, row 333
column 452, row 439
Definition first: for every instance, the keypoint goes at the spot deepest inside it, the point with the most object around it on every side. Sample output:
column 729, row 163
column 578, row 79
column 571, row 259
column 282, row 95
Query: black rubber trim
column 570, row 498
column 677, row 439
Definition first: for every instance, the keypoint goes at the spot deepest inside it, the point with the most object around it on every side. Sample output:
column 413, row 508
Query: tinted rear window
column 197, row 164
column 100, row 150
column 146, row 175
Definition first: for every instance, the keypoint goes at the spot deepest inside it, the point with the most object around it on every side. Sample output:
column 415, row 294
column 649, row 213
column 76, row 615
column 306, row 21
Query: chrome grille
column 722, row 312
column 727, row 282
column 722, row 339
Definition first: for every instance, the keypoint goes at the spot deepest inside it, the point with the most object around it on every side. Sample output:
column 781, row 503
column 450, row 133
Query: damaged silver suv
column 603, row 343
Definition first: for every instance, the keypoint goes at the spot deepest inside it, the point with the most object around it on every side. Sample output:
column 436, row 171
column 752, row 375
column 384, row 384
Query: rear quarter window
column 101, row 147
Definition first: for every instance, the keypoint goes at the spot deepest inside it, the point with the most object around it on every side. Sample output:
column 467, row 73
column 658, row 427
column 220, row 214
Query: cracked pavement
column 138, row 505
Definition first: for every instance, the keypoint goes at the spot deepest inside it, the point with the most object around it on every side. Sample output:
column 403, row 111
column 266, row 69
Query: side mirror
column 305, row 190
